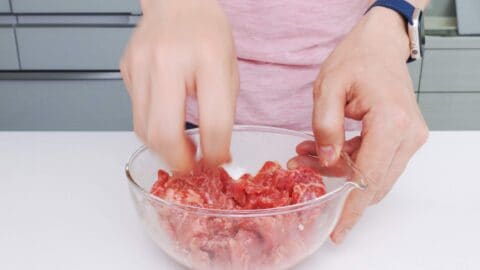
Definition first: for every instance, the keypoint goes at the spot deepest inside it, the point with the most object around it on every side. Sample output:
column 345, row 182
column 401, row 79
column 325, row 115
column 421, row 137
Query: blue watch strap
column 403, row 7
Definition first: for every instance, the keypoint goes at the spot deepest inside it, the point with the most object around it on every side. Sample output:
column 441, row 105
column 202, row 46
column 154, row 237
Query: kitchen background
column 59, row 64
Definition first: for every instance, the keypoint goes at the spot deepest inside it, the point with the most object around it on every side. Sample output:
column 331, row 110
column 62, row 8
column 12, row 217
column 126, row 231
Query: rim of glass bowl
column 242, row 213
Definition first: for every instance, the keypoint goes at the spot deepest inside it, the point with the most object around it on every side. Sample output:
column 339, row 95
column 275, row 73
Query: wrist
column 421, row 4
column 390, row 31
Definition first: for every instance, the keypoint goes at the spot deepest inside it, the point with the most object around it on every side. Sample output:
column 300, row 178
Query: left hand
column 366, row 78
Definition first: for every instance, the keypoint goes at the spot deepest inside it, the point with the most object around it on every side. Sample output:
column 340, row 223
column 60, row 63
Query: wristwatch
column 414, row 19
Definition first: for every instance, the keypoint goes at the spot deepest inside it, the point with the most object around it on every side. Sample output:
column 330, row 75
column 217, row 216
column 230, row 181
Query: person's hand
column 366, row 78
column 180, row 48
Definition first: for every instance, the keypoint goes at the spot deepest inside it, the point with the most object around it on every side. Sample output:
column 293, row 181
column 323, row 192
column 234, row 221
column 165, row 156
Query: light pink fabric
column 280, row 46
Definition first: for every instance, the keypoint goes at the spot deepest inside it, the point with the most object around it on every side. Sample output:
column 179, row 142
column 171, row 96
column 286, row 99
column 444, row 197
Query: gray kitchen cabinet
column 71, row 47
column 4, row 6
column 451, row 111
column 452, row 42
column 453, row 70
column 64, row 105
column 441, row 8
column 415, row 69
column 468, row 17
column 8, row 49
column 76, row 6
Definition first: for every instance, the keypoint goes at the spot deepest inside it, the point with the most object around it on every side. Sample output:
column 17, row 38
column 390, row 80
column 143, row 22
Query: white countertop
column 64, row 204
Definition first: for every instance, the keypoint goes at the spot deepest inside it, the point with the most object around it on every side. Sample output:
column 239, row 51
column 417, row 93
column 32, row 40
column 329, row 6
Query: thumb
column 328, row 118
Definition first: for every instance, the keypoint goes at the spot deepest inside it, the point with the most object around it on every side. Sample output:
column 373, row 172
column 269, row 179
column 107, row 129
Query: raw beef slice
column 220, row 242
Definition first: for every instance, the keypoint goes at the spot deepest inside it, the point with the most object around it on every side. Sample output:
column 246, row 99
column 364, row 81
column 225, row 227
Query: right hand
column 180, row 48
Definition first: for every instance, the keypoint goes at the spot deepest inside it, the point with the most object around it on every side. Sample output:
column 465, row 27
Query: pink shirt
column 280, row 47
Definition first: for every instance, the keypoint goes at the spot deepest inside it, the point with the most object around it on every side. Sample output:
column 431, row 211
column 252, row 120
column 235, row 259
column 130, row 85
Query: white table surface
column 64, row 204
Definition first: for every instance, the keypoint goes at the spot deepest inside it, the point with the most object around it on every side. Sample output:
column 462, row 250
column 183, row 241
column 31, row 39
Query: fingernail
column 340, row 236
column 327, row 154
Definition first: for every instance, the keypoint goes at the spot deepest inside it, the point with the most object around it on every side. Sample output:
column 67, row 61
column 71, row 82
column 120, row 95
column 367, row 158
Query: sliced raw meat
column 220, row 242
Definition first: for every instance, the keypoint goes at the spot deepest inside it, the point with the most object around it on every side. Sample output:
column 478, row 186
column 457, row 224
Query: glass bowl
column 278, row 238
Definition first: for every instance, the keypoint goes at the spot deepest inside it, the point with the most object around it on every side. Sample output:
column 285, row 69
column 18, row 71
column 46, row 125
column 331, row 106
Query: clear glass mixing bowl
column 279, row 238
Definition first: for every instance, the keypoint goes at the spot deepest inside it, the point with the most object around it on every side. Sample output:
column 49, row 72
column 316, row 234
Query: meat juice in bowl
column 271, row 218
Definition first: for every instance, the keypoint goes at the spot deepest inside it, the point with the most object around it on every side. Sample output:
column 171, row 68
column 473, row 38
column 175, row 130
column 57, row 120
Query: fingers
column 407, row 149
column 137, row 81
column 157, row 108
column 328, row 118
column 374, row 158
column 159, row 67
column 303, row 161
column 309, row 147
column 352, row 145
column 355, row 205
column 396, row 168
column 338, row 169
column 306, row 148
column 217, row 86
column 124, row 71
column 307, row 158
column 165, row 127
column 382, row 137
column 140, row 96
